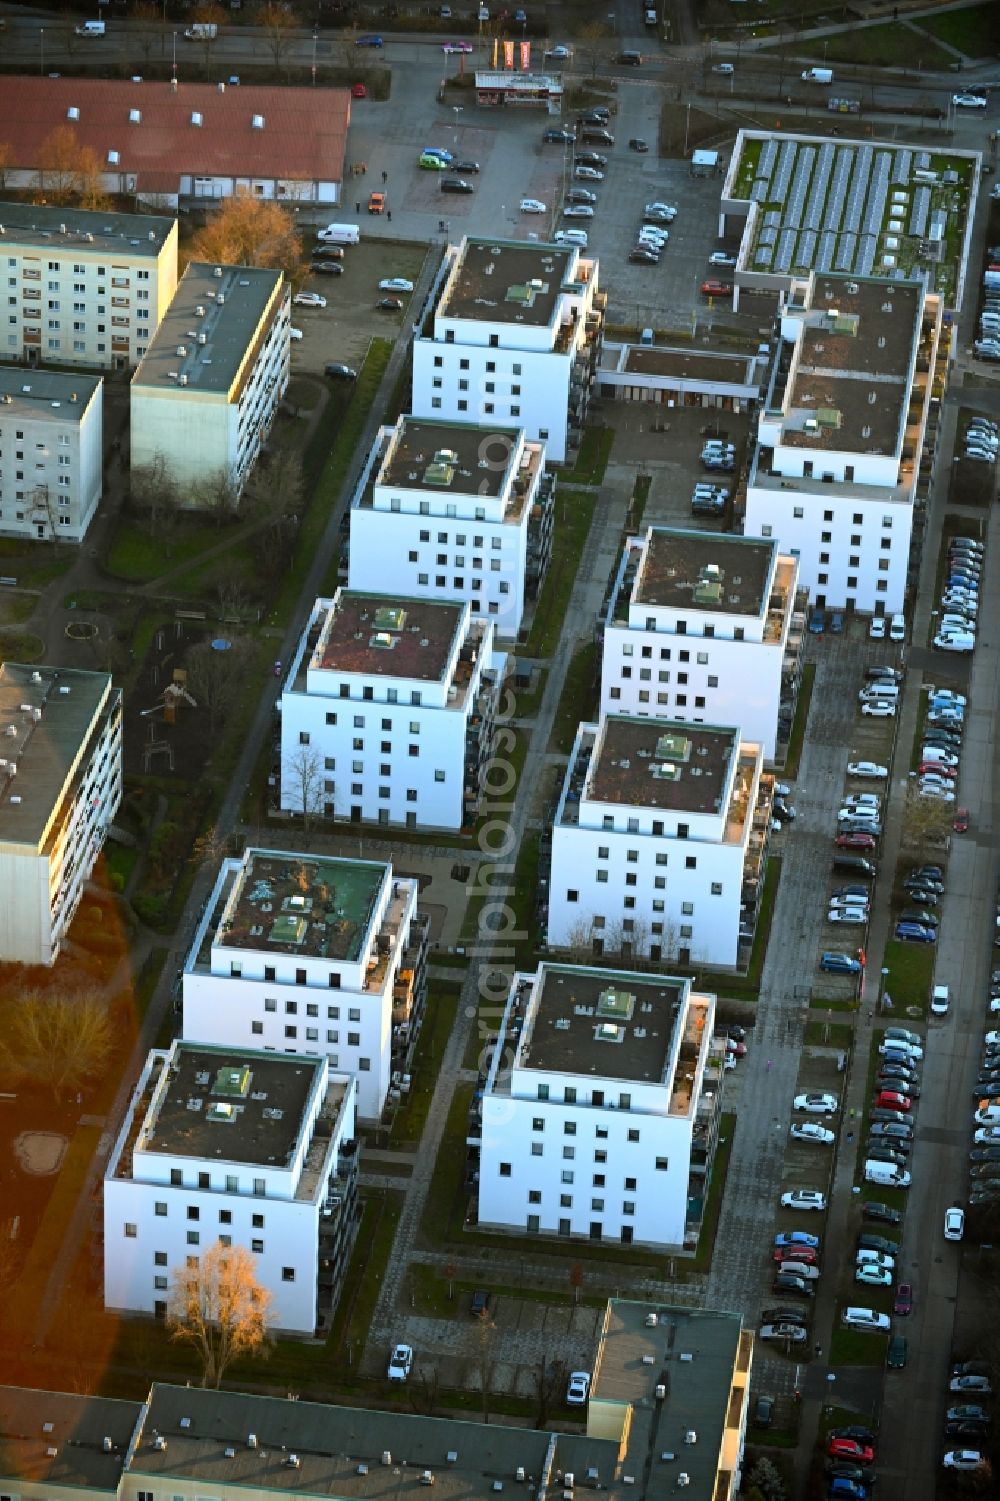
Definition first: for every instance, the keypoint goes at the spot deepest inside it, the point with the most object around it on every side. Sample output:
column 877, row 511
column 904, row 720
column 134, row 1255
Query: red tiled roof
column 304, row 135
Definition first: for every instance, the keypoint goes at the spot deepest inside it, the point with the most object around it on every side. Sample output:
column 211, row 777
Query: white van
column 91, row 28
column 886, row 1174
column 339, row 234
column 864, row 1318
column 576, row 237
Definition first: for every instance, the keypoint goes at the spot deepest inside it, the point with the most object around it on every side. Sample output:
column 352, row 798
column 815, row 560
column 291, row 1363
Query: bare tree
column 90, row 188
column 550, row 1388
column 451, row 1272
column 233, row 596
column 302, row 775
column 208, row 13
column 279, row 25
column 218, row 494
column 154, row 490
column 145, row 32
column 58, row 1041
column 486, row 1337
column 217, row 679
column 59, row 164
column 7, row 162
column 576, row 1280
column 590, row 44
column 218, row 1307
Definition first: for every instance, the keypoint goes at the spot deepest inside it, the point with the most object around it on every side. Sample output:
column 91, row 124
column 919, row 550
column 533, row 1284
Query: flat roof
column 866, row 208
column 684, row 364
column 609, row 1023
column 686, row 570
column 340, row 1450
column 693, row 1353
column 231, row 1104
column 388, row 636
column 289, row 903
column 56, row 1439
column 508, row 281
column 851, row 379
column 45, row 395
column 449, row 456
column 50, row 727
column 34, row 226
column 632, row 757
column 225, row 304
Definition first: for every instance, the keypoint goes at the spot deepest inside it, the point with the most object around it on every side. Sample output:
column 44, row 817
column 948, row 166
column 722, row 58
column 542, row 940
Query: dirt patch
column 39, row 1153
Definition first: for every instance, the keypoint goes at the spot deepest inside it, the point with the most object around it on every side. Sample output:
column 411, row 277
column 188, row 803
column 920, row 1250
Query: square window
column 505, row 1169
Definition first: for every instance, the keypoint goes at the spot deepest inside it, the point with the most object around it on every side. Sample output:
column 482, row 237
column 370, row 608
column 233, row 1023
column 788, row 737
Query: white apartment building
column 242, row 1147
column 60, row 787
column 515, row 338
column 203, row 399
column 51, row 434
column 306, row 953
column 388, row 711
column 657, row 841
column 448, row 508
column 84, row 287
column 701, row 627
column 590, row 1105
column 841, row 434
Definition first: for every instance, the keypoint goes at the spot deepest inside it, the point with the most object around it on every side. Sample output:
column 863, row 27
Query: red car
column 960, row 823
column 856, row 841
column 849, row 1448
column 903, row 1302
column 358, row 91
column 937, row 769
column 889, row 1099
column 713, row 288
column 806, row 1254
column 738, row 1049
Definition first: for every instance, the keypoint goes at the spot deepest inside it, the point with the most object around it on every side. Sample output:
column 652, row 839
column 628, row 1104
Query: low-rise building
column 306, row 953
column 51, row 436
column 703, row 627
column 388, row 712
column 591, row 1106
column 61, row 1444
column 841, row 436
column 450, row 509
column 659, row 837
column 242, row 1148
column 85, row 286
column 203, row 399
column 514, row 338
column 60, row 787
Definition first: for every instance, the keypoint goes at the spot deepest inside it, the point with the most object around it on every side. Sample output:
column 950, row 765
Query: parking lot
column 343, row 329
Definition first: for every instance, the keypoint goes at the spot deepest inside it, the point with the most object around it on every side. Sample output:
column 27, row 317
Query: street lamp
column 457, row 110
column 613, row 18
column 41, row 50
column 174, row 63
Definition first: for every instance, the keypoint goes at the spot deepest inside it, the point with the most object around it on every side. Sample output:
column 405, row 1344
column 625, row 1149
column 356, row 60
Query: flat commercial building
column 305, row 953
column 84, row 287
column 659, row 836
column 60, row 787
column 841, row 436
column 161, row 142
column 51, row 434
column 203, row 399
column 63, row 1444
column 699, row 627
column 234, row 1147
column 451, row 509
column 591, row 1105
column 388, row 711
column 514, row 338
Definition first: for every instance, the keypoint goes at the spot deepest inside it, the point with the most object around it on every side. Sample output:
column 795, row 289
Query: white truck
column 90, row 28
column 649, row 15
column 818, row 75
column 202, row 31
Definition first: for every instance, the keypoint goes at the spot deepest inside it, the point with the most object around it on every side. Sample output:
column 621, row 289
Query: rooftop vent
column 383, row 641
column 159, row 1442
column 293, row 1462
column 609, row 1032
column 390, row 618
column 673, row 748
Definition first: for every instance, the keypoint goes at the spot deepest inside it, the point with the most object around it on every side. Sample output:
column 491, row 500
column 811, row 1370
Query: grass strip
column 574, row 514
column 592, row 460
column 796, row 739
column 716, row 1188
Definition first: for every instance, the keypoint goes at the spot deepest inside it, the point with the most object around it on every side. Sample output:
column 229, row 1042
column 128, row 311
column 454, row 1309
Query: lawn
column 363, row 1282
column 592, row 460
column 15, row 609
column 579, row 699
column 911, row 970
column 574, row 514
column 793, row 754
column 139, row 554
column 974, row 30
column 885, row 46
column 821, row 1034
column 439, row 1020
column 327, row 464
column 858, row 1346
column 713, row 1205
column 20, row 646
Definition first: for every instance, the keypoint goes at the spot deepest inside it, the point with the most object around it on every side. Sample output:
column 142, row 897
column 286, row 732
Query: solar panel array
column 833, row 204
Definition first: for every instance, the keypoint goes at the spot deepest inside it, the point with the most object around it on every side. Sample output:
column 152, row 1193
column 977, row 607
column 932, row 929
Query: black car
column 598, row 114
column 897, row 1071
column 970, row 1368
column 738, row 1034
column 327, row 268
column 638, row 144
column 961, row 1412
column 899, row 1130
column 787, row 1282
column 869, row 1242
column 969, row 1428
column 844, row 1470
column 881, row 1213
column 589, row 159
column 859, row 1434
column 340, row 372
column 455, row 185
column 559, row 136
column 324, row 252
column 924, row 896
column 933, row 871
column 784, row 1316
column 390, row 304
column 763, row 1412
column 464, row 166
column 877, row 1152
column 640, row 257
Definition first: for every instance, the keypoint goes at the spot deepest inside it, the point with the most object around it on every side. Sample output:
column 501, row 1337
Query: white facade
column 305, row 953
column 590, row 1105
column 514, row 338
column 841, row 437
column 60, row 787
column 656, row 836
column 203, row 399
column 231, row 1145
column 84, row 287
column 51, row 454
column 699, row 627
column 387, row 715
column 454, row 510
